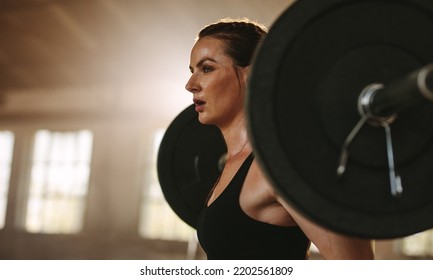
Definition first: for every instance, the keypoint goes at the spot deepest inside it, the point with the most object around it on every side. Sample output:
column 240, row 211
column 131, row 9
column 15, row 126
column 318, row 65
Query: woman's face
column 218, row 88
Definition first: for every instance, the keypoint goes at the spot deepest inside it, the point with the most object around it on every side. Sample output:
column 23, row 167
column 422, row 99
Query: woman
column 243, row 217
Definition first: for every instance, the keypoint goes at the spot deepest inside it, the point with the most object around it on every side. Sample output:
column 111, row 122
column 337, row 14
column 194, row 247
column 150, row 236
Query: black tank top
column 225, row 231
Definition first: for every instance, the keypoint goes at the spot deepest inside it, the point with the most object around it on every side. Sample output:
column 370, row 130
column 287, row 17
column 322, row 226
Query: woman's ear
column 245, row 71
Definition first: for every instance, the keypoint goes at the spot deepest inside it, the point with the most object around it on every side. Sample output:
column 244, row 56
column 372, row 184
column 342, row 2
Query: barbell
column 340, row 115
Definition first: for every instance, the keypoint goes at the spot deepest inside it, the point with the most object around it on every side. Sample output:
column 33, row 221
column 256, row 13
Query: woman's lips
column 199, row 105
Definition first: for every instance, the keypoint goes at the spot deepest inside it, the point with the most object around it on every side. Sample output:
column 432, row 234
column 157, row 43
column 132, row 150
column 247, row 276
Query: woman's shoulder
column 259, row 199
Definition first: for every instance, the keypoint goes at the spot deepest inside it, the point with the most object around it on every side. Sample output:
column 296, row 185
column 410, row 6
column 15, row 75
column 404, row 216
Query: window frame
column 5, row 195
column 32, row 162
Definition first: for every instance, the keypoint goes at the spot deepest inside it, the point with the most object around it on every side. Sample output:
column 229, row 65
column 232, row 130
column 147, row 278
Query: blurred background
column 87, row 89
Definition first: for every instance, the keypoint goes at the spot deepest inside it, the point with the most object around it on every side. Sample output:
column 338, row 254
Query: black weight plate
column 189, row 163
column 302, row 104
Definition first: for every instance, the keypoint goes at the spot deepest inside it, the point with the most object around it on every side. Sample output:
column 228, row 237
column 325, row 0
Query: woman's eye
column 207, row 69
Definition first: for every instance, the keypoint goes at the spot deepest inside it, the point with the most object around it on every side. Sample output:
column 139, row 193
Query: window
column 158, row 221
column 6, row 151
column 58, row 181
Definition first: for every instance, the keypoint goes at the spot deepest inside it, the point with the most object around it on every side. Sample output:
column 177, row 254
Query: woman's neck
column 236, row 137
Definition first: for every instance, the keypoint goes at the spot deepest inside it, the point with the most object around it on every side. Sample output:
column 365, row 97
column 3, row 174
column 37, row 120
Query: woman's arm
column 331, row 245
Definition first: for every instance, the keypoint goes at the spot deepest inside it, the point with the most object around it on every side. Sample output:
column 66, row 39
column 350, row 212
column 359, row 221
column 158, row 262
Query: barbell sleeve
column 403, row 94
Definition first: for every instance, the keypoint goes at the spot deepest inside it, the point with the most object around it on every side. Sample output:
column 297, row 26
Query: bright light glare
column 59, row 181
column 6, row 151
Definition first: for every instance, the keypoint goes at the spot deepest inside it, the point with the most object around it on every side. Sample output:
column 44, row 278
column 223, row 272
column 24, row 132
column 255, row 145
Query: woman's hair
column 241, row 37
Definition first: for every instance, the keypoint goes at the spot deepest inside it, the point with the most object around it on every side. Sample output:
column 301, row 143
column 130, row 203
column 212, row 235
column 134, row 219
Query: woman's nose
column 192, row 85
